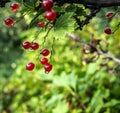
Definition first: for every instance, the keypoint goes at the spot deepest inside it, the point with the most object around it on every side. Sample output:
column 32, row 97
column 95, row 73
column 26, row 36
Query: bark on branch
column 99, row 3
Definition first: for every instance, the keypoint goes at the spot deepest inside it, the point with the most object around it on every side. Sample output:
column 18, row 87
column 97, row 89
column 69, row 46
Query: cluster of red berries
column 28, row 45
column 109, row 15
column 50, row 14
column 9, row 21
column 44, row 61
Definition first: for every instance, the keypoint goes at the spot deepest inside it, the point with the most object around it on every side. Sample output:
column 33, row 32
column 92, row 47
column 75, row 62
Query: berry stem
column 36, row 35
column 52, row 48
column 44, row 38
column 20, row 18
column 118, row 25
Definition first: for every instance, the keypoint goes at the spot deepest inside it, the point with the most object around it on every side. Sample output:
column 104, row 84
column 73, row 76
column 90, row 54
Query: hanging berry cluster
column 50, row 15
column 44, row 61
column 44, row 52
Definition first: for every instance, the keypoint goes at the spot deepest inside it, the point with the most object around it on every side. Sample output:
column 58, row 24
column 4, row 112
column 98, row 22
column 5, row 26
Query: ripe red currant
column 44, row 61
column 48, row 67
column 107, row 30
column 41, row 24
column 109, row 14
column 45, row 52
column 34, row 46
column 14, row 6
column 26, row 45
column 47, row 4
column 50, row 15
column 30, row 66
column 9, row 21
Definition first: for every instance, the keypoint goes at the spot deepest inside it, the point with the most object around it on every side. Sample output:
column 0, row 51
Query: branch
column 3, row 2
column 100, row 3
column 93, row 12
column 98, row 51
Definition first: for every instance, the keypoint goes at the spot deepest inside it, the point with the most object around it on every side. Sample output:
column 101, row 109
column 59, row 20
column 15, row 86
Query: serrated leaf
column 71, row 8
column 29, row 2
column 64, row 24
column 77, row 9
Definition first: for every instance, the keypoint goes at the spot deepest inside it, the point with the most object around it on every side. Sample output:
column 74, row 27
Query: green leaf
column 64, row 24
column 61, row 107
column 111, row 103
column 64, row 80
column 79, row 10
column 97, row 101
column 29, row 2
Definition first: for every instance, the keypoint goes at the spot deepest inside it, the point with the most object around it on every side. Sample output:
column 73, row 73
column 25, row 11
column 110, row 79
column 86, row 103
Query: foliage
column 72, row 86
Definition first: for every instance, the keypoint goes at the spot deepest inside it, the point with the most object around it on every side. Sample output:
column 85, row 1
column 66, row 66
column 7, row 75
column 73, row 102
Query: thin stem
column 36, row 35
column 118, row 25
column 52, row 48
column 44, row 38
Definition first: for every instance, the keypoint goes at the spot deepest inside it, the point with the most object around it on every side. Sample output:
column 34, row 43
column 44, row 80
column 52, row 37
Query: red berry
column 14, row 6
column 9, row 21
column 50, row 15
column 30, row 66
column 107, row 30
column 48, row 67
column 26, row 45
column 45, row 52
column 41, row 24
column 34, row 46
column 44, row 61
column 109, row 14
column 47, row 4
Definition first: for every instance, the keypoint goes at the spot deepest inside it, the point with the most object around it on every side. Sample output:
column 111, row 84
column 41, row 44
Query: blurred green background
column 71, row 87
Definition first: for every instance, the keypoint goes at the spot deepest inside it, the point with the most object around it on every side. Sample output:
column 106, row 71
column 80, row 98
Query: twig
column 92, row 14
column 98, row 51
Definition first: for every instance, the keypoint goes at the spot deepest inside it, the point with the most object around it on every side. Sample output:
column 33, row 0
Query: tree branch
column 93, row 12
column 3, row 2
column 100, row 3
column 98, row 51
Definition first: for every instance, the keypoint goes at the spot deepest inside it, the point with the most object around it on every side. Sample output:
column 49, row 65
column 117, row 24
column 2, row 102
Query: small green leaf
column 64, row 24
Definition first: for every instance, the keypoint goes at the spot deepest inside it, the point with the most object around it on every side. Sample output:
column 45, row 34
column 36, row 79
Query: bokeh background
column 72, row 86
